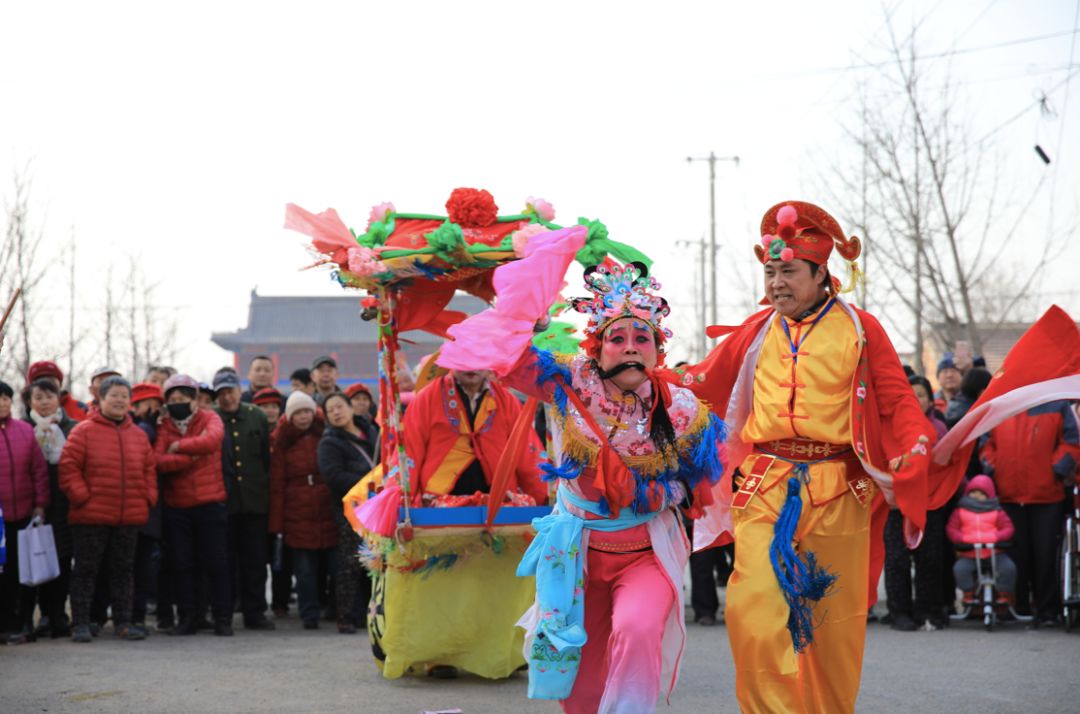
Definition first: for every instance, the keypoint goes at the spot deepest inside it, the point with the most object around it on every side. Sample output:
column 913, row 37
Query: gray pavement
column 963, row 669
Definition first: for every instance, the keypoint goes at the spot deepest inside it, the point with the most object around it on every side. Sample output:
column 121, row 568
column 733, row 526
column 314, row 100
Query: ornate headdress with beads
column 620, row 291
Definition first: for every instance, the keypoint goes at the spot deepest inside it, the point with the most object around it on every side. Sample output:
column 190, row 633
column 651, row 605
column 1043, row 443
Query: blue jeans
column 306, row 566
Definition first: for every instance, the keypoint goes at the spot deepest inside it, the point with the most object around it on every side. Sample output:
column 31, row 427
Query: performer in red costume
column 455, row 431
column 825, row 434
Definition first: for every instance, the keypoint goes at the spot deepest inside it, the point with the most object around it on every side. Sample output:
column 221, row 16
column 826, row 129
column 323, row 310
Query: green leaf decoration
column 598, row 246
column 377, row 233
column 446, row 241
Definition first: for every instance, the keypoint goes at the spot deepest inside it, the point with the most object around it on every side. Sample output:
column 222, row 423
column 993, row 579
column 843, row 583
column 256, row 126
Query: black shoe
column 164, row 624
column 95, row 628
column 262, row 623
column 706, row 620
column 344, row 627
column 223, row 628
column 60, row 627
column 903, row 623
column 81, row 633
column 203, row 624
column 443, row 671
column 44, row 627
column 23, row 636
column 186, row 626
column 311, row 624
column 1043, row 623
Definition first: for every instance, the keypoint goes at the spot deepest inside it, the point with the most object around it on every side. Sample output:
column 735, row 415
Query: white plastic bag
column 37, row 554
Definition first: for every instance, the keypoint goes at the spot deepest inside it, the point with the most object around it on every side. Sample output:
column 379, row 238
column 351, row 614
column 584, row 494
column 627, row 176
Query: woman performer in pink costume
column 606, row 632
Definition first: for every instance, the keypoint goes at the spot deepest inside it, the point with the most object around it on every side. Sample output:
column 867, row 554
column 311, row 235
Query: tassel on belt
column 802, row 580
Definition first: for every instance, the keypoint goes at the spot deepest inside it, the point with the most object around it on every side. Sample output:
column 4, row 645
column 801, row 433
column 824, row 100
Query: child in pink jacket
column 978, row 518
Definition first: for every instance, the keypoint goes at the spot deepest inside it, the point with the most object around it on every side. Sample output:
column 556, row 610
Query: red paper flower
column 471, row 208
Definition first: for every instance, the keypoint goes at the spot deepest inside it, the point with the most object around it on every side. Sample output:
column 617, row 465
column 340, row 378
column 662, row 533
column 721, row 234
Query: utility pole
column 712, row 158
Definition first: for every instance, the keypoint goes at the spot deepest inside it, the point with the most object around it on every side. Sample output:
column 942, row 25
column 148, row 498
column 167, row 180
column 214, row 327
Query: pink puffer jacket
column 967, row 525
column 24, row 476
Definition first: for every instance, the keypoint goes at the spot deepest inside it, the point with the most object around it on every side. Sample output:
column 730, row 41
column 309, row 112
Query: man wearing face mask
column 826, row 434
column 606, row 631
column 188, row 450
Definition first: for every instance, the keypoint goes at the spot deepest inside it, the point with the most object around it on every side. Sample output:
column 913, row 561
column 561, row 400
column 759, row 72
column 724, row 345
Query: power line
column 919, row 58
column 1037, row 103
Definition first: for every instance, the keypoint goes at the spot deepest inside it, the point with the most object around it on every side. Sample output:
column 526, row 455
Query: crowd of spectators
column 184, row 500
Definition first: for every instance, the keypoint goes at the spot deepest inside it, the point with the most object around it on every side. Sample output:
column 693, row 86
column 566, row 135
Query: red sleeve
column 166, row 462
column 712, row 379
column 906, row 433
column 277, row 489
column 150, row 472
column 72, row 460
column 39, row 471
column 952, row 528
column 416, row 416
column 525, row 376
column 1005, row 528
column 207, row 441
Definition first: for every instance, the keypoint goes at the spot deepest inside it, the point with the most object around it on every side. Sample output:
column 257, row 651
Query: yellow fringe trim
column 584, row 450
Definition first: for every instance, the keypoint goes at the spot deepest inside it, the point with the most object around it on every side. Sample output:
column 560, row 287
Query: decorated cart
column 445, row 590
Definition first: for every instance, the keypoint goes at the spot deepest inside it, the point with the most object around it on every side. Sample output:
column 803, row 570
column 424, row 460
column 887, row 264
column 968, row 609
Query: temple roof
column 300, row 320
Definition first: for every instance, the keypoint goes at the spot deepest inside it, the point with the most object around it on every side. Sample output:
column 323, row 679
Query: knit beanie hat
column 298, row 400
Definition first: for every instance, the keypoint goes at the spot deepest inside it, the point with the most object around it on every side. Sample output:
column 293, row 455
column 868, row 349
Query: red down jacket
column 299, row 498
column 107, row 472
column 1032, row 454
column 193, row 474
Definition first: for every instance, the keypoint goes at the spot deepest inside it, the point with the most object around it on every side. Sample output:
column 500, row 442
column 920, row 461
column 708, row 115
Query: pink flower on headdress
column 380, row 212
column 521, row 237
column 365, row 261
column 541, row 208
column 766, row 240
column 787, row 254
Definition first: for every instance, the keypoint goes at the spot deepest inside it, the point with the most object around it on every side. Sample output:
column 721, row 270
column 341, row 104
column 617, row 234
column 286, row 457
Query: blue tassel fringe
column 570, row 469
column 802, row 581
column 550, row 368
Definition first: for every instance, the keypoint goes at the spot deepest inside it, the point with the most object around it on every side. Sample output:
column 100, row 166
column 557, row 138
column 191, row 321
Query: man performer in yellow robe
column 825, row 432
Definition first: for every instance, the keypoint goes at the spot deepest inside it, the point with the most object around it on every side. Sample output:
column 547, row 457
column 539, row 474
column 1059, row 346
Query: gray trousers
column 964, row 570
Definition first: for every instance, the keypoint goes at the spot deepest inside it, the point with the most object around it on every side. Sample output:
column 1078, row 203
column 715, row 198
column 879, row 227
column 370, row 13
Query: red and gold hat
column 798, row 230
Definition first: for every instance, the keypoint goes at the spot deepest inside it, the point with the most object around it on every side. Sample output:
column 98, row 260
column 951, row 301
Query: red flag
column 1043, row 366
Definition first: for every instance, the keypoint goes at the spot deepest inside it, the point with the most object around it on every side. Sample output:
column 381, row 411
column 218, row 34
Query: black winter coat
column 344, row 459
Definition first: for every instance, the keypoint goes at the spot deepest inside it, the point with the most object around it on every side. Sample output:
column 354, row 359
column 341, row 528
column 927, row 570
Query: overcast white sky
column 177, row 132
